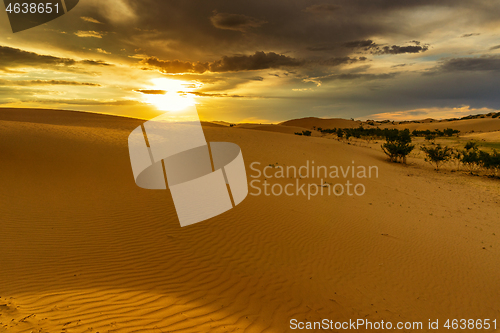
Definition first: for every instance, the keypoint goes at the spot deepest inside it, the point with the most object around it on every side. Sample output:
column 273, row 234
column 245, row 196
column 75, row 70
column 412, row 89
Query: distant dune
column 467, row 125
column 83, row 249
column 311, row 122
column 486, row 124
column 276, row 128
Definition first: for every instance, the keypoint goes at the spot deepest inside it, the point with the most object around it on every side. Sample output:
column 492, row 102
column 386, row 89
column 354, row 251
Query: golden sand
column 83, row 249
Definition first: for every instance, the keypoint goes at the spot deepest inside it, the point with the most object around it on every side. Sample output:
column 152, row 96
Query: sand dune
column 279, row 129
column 83, row 249
column 311, row 122
column 467, row 125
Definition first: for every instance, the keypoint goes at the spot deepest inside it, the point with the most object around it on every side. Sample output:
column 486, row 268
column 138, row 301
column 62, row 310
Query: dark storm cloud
column 238, row 63
column 495, row 48
column 14, row 58
column 369, row 45
column 395, row 49
column 235, row 21
column 202, row 29
column 205, row 42
column 257, row 61
column 475, row 64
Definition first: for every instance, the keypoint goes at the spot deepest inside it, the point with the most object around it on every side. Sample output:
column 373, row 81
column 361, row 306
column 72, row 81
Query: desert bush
column 398, row 145
column 450, row 132
column 490, row 162
column 430, row 137
column 470, row 156
column 304, row 133
column 456, row 157
column 436, row 132
column 471, row 145
column 437, row 154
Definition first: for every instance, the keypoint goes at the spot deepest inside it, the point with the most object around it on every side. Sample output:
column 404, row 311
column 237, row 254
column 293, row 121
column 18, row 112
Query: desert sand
column 83, row 249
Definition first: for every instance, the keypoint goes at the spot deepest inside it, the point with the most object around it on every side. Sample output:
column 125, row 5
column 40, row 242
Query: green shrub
column 491, row 162
column 398, row 145
column 437, row 154
column 304, row 133
column 456, row 156
column 430, row 137
column 470, row 156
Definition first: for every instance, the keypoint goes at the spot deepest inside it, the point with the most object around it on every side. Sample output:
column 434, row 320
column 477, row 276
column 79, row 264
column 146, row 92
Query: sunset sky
column 260, row 61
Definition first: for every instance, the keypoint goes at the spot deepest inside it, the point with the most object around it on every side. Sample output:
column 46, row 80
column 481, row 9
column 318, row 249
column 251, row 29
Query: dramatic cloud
column 235, row 21
column 483, row 63
column 15, row 58
column 395, row 49
column 257, row 61
column 350, row 47
column 369, row 45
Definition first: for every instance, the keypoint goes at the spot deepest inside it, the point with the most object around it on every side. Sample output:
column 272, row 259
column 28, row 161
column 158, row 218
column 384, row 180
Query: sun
column 176, row 97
